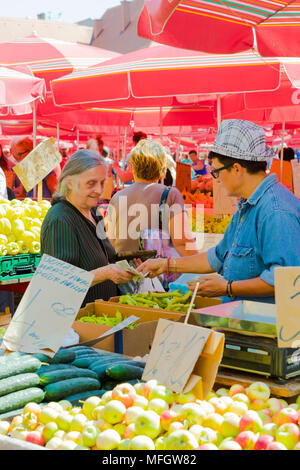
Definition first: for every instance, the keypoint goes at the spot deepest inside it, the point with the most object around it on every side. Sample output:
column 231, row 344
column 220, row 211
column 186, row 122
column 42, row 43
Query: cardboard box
column 200, row 302
column 5, row 317
column 131, row 342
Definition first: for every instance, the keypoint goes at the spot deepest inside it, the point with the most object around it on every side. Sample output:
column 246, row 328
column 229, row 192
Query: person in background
column 92, row 145
column 185, row 158
column 12, row 181
column 198, row 165
column 263, row 232
column 143, row 197
column 126, row 175
column 64, row 154
column 101, row 149
column 287, row 171
column 20, row 148
column 170, row 178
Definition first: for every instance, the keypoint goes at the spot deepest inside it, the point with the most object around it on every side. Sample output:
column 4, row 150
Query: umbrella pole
column 77, row 139
column 219, row 111
column 40, row 184
column 57, row 133
column 281, row 153
column 178, row 146
column 160, row 125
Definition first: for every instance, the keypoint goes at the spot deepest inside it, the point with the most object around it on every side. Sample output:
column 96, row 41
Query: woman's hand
column 118, row 275
column 154, row 267
column 210, row 286
column 111, row 272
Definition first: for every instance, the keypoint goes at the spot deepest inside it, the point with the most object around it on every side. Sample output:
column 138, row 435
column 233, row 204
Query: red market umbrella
column 50, row 58
column 18, row 91
column 163, row 76
column 272, row 28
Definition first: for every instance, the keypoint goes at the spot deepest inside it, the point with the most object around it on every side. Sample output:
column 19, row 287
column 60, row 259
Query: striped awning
column 224, row 26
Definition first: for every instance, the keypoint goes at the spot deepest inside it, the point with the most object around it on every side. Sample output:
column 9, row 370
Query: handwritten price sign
column 287, row 297
column 48, row 307
column 175, row 350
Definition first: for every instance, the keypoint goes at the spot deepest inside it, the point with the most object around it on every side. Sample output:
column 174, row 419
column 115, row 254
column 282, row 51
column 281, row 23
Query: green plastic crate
column 17, row 266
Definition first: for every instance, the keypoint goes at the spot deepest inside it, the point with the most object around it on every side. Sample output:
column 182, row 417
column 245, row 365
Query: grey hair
column 78, row 163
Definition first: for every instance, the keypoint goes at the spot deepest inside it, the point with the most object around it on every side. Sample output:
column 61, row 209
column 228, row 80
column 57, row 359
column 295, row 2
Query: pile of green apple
column 148, row 416
column 20, row 225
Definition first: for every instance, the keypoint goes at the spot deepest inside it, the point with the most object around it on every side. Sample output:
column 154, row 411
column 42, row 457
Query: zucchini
column 63, row 356
column 63, row 374
column 77, row 398
column 16, row 400
column 22, row 365
column 51, row 367
column 110, row 384
column 59, row 390
column 124, row 372
column 18, row 382
column 79, row 348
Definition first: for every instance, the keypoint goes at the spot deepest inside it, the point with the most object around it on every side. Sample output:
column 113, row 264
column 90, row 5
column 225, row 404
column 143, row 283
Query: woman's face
column 86, row 189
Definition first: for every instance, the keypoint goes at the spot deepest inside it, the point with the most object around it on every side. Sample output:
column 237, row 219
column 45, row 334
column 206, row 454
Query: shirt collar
column 269, row 181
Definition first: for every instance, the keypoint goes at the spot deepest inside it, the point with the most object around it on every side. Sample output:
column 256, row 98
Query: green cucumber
column 108, row 360
column 52, row 367
column 16, row 400
column 77, row 398
column 85, row 362
column 59, row 390
column 63, row 374
column 63, row 356
column 42, row 357
column 12, row 356
column 18, row 382
column 110, row 384
column 102, row 368
column 25, row 364
column 79, row 348
column 124, row 372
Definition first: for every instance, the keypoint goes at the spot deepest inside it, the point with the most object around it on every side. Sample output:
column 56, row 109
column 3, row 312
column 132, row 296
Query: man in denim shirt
column 264, row 232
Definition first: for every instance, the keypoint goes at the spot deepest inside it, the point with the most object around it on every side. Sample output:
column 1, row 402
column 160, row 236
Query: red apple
column 246, row 439
column 251, row 421
column 287, row 415
column 276, row 446
column 236, row 388
column 208, row 446
column 263, row 442
column 35, row 437
column 125, row 393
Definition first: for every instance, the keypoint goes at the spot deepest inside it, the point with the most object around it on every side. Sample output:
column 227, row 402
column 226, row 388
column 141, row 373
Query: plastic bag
column 71, row 338
column 150, row 285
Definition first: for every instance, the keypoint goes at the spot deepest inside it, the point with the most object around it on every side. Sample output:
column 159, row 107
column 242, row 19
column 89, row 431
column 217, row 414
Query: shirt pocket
column 243, row 262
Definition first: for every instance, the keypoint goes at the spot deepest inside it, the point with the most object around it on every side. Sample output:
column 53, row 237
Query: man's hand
column 210, row 286
column 154, row 267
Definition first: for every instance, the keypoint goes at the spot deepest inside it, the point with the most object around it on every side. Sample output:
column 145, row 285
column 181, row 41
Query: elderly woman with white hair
column 73, row 232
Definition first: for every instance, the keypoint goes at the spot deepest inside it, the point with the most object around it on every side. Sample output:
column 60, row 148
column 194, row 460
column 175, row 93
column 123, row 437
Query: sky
column 64, row 10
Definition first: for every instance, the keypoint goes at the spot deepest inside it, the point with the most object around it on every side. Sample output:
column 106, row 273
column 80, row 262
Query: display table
column 288, row 389
column 15, row 285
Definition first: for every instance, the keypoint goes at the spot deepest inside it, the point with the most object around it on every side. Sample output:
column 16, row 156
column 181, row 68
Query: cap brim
column 269, row 153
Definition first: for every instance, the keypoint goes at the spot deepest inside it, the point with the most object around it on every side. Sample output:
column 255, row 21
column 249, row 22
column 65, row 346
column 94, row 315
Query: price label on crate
column 48, row 307
column 287, row 297
column 174, row 353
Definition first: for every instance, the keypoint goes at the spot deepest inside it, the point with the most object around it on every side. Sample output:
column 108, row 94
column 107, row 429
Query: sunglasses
column 215, row 172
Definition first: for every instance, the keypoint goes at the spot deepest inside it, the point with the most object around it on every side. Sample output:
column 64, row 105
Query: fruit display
column 20, row 225
column 71, row 373
column 198, row 197
column 148, row 416
column 106, row 320
column 211, row 224
column 174, row 301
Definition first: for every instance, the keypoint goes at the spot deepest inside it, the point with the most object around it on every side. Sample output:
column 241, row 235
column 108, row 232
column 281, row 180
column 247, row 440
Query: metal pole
column 57, row 132
column 281, row 153
column 219, row 111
